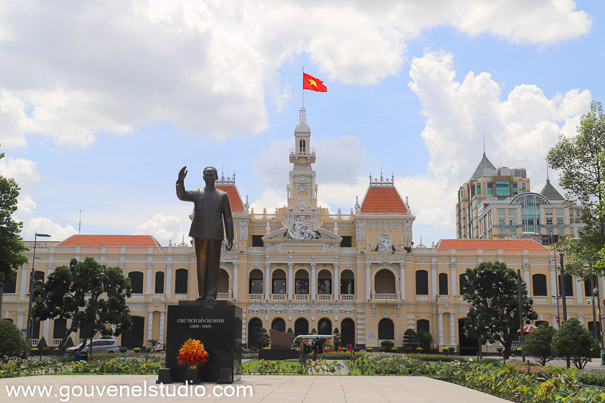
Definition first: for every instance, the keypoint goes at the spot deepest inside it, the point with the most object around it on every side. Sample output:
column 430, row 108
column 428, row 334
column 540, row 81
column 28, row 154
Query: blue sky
column 102, row 103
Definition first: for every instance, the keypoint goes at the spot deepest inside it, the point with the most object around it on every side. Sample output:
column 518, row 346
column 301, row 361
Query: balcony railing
column 222, row 295
column 325, row 297
column 385, row 296
column 278, row 297
column 256, row 296
column 347, row 297
column 56, row 342
column 301, row 297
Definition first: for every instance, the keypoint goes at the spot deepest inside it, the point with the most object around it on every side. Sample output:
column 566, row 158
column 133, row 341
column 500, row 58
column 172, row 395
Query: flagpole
column 303, row 90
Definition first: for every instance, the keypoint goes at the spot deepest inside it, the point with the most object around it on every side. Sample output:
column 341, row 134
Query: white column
column 440, row 329
column 46, row 332
column 579, row 292
column 553, row 283
column 335, row 282
column 452, row 330
column 24, row 282
column 150, row 325
column 290, row 281
column 149, row 276
column 267, row 281
column 554, row 321
column 162, row 323
column 453, row 279
column 526, row 276
column 434, row 280
column 168, row 284
column 20, row 320
column 368, row 284
column 313, row 283
column 402, row 279
column 235, row 279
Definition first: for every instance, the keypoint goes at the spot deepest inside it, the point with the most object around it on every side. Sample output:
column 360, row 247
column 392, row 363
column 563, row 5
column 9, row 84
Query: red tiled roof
column 111, row 240
column 489, row 244
column 383, row 200
column 234, row 199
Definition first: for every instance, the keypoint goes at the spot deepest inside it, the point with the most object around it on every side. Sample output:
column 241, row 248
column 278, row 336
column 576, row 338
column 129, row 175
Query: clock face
column 302, row 188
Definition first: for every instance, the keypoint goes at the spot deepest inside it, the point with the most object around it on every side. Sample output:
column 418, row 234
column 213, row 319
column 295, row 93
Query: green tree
column 85, row 293
column 290, row 332
column 491, row 291
column 11, row 247
column 580, row 162
column 575, row 342
column 263, row 338
column 410, row 340
column 13, row 340
column 424, row 338
column 337, row 339
column 538, row 344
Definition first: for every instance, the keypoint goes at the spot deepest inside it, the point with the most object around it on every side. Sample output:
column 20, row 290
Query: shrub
column 13, row 341
column 575, row 342
column 419, row 350
column 387, row 344
column 290, row 332
column 263, row 338
column 356, row 349
column 394, row 349
column 123, row 349
column 313, row 331
column 410, row 339
column 594, row 377
column 34, row 351
column 424, row 338
column 42, row 344
column 137, row 349
column 538, row 344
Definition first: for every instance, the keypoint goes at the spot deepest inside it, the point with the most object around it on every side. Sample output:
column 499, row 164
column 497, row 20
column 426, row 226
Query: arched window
column 324, row 327
column 223, row 281
column 423, row 324
column 278, row 324
column 539, row 284
column 59, row 328
column 254, row 327
column 589, row 285
column 347, row 283
column 568, row 286
column 10, row 287
column 384, row 282
column 463, row 284
column 278, row 282
column 422, row 282
column 301, row 326
column 136, row 281
column 181, row 279
column 442, row 284
column 324, row 282
column 133, row 337
column 255, row 285
column 301, row 282
column 386, row 330
column 159, row 282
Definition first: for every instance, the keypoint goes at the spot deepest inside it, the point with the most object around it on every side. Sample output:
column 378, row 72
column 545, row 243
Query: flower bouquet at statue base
column 193, row 355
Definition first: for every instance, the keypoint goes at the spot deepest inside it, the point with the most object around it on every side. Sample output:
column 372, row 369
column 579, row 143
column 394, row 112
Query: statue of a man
column 211, row 208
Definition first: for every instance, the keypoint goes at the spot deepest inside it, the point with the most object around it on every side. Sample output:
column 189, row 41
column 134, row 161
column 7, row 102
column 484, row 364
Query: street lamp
column 31, row 292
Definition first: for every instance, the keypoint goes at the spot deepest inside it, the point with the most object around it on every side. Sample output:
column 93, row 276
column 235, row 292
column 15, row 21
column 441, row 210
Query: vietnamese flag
column 313, row 84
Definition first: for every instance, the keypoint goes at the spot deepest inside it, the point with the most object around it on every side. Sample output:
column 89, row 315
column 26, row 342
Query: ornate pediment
column 320, row 235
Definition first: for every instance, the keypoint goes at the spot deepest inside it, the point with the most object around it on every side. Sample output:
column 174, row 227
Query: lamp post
column 559, row 285
column 31, row 292
column 564, row 295
column 594, row 311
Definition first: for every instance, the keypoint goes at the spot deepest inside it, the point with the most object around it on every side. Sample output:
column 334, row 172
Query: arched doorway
column 134, row 336
column 468, row 346
column 386, row 329
column 254, row 327
column 223, row 282
column 347, row 328
column 278, row 324
column 324, row 327
column 301, row 326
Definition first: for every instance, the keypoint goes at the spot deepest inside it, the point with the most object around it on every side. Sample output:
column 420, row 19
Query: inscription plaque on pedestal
column 217, row 324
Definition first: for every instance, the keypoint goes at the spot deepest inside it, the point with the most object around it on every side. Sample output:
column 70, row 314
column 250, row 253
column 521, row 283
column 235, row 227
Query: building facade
column 304, row 268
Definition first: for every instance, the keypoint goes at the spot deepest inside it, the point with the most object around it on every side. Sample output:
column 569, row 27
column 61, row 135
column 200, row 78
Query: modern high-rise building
column 302, row 267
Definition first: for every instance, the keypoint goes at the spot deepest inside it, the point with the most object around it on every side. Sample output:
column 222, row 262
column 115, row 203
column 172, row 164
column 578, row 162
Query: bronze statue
column 211, row 208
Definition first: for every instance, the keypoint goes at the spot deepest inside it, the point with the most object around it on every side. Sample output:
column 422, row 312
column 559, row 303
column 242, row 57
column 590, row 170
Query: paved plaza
column 333, row 389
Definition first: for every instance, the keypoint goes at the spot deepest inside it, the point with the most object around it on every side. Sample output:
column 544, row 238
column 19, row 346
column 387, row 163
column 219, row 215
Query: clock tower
column 302, row 189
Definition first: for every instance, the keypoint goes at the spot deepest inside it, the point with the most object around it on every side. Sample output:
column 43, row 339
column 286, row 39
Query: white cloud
column 207, row 67
column 269, row 200
column 164, row 228
column 43, row 225
column 26, row 205
column 25, row 172
column 519, row 130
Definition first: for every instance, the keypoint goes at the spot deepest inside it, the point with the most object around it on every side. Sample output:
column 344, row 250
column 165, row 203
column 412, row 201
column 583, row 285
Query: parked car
column 98, row 346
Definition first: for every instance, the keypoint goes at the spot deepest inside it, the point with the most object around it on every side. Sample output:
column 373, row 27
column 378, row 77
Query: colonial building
column 305, row 268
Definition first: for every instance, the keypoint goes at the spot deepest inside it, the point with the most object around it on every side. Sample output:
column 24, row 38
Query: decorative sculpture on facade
column 385, row 244
column 298, row 230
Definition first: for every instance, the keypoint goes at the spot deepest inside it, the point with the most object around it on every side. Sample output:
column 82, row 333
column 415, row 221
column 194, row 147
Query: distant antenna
column 547, row 171
column 483, row 143
column 80, row 223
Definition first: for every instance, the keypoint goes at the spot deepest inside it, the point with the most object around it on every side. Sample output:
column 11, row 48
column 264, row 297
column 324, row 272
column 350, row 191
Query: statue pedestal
column 217, row 324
